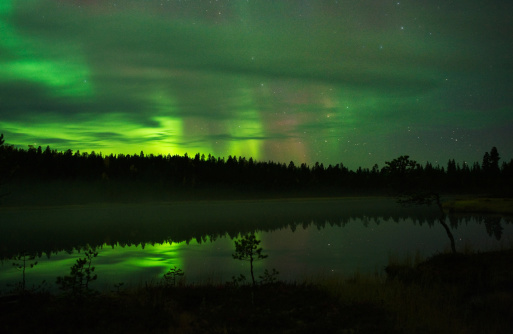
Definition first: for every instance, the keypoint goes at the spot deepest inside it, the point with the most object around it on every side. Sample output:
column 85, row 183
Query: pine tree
column 494, row 160
column 486, row 162
column 247, row 249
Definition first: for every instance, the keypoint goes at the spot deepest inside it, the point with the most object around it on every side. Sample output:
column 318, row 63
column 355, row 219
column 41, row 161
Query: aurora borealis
column 357, row 82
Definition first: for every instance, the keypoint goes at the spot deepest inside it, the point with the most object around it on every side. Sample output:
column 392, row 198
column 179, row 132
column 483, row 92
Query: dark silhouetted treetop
column 246, row 174
column 401, row 166
column 494, row 160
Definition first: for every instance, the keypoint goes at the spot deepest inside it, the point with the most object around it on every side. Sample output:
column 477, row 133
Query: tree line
column 183, row 171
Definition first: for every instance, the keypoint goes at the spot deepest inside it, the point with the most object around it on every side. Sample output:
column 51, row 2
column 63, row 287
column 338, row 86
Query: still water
column 304, row 238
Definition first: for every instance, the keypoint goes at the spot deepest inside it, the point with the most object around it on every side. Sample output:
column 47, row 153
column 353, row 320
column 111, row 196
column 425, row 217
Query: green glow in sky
column 328, row 81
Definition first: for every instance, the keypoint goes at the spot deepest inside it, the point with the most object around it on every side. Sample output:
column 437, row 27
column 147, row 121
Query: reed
column 431, row 304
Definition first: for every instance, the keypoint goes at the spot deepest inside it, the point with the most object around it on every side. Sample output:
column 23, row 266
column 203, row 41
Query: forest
column 33, row 165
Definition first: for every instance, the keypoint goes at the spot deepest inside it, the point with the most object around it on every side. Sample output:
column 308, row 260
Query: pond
column 303, row 238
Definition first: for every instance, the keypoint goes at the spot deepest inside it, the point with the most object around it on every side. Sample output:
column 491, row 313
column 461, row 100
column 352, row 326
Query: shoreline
column 479, row 205
column 451, row 204
column 450, row 293
column 199, row 201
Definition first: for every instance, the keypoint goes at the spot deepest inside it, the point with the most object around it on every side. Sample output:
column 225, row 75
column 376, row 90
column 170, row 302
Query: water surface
column 303, row 237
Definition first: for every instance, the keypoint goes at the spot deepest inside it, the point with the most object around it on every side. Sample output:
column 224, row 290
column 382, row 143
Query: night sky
column 357, row 82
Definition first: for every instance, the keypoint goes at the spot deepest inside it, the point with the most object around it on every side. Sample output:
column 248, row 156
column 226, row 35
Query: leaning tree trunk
column 449, row 234
column 444, row 224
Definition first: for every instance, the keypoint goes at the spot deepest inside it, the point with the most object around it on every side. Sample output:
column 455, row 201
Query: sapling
column 246, row 249
column 81, row 274
column 21, row 263
column 269, row 277
column 172, row 274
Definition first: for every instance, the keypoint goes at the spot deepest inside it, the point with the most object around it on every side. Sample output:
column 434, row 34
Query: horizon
column 192, row 156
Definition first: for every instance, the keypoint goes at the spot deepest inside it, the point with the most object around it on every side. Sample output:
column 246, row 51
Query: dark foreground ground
column 276, row 309
column 445, row 294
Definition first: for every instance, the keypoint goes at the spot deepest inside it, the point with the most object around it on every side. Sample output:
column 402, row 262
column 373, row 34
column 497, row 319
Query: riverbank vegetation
column 447, row 293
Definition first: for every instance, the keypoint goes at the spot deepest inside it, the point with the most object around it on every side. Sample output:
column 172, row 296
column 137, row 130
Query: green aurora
column 357, row 82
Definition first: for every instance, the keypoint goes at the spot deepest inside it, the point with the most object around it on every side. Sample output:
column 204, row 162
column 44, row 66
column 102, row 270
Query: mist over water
column 304, row 238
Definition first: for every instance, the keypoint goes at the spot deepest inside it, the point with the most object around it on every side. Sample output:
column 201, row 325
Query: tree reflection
column 52, row 237
column 494, row 227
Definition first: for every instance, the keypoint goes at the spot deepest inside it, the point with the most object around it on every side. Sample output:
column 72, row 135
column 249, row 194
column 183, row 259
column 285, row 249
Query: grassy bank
column 480, row 205
column 448, row 293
